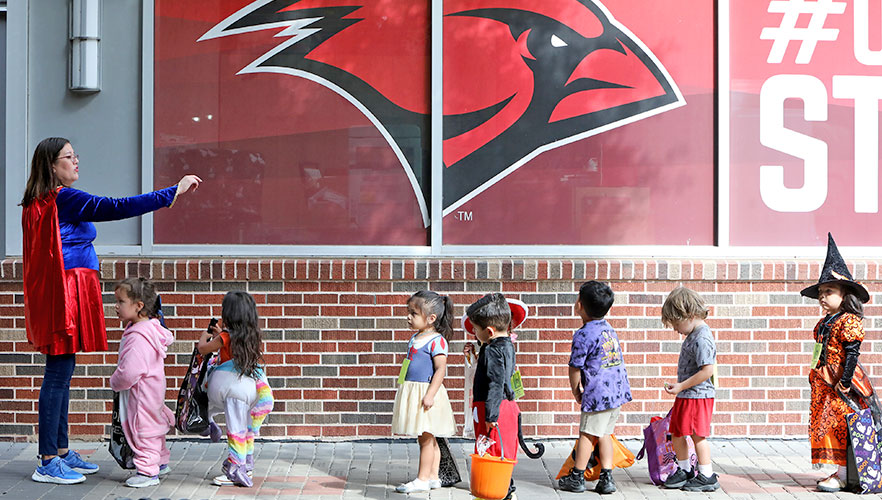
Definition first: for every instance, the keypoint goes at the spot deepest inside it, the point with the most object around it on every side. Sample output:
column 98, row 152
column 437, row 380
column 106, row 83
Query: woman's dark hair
column 440, row 305
column 42, row 179
column 851, row 304
column 239, row 313
column 141, row 290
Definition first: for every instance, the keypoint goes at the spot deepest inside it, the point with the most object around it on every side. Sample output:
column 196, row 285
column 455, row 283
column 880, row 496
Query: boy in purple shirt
column 600, row 384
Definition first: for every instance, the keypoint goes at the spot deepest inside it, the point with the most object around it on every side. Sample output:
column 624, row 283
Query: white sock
column 684, row 464
column 706, row 470
column 842, row 472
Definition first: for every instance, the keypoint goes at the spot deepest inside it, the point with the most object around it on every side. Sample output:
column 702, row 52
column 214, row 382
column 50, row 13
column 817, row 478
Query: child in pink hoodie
column 140, row 380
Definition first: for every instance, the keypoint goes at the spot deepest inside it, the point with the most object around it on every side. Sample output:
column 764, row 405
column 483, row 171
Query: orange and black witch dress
column 828, row 432
column 839, row 338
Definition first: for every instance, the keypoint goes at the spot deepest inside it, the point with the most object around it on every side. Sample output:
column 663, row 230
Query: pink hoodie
column 141, row 371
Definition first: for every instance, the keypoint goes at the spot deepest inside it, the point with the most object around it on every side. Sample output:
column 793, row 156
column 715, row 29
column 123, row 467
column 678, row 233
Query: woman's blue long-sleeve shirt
column 77, row 210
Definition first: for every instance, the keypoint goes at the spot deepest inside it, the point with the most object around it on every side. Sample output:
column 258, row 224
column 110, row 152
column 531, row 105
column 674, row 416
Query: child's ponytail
column 444, row 323
column 439, row 305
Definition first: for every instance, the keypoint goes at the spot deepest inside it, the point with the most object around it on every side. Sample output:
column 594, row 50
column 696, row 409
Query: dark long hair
column 440, row 305
column 239, row 313
column 42, row 180
column 140, row 289
column 851, row 304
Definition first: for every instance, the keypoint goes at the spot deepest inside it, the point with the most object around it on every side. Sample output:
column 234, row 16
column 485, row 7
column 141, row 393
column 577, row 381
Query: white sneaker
column 139, row 481
column 164, row 470
column 413, row 486
column 832, row 484
column 434, row 484
column 223, row 480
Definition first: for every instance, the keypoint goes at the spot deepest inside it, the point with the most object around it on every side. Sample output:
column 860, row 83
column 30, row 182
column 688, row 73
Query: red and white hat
column 519, row 312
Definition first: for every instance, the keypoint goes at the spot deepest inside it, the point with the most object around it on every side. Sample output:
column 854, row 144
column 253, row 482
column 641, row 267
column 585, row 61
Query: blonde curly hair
column 683, row 304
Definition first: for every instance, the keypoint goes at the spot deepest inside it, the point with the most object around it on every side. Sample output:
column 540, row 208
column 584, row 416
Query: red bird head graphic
column 520, row 77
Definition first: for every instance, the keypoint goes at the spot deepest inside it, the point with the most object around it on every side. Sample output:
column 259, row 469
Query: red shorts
column 692, row 417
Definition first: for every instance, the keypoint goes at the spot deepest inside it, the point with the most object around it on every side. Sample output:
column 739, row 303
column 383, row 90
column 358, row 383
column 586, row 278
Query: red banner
column 805, row 91
column 579, row 122
column 576, row 121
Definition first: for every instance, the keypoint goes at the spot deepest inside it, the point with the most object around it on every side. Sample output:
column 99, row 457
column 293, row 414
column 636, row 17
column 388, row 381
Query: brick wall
column 335, row 334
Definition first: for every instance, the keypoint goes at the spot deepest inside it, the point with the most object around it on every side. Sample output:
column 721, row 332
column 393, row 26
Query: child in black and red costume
column 491, row 319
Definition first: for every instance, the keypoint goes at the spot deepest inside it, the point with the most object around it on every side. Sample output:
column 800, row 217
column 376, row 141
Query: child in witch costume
column 491, row 319
column 838, row 336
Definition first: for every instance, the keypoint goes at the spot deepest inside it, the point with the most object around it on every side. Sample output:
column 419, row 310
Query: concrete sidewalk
column 370, row 469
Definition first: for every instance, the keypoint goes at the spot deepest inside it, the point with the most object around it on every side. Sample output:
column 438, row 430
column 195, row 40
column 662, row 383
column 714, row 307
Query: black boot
column 574, row 481
column 605, row 483
column 511, row 490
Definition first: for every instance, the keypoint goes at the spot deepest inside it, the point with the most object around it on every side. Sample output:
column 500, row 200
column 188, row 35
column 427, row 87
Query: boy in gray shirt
column 684, row 310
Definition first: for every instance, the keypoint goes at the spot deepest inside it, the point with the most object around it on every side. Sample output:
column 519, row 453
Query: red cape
column 46, row 314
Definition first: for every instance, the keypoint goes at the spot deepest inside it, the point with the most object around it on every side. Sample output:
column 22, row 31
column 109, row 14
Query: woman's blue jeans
column 54, row 402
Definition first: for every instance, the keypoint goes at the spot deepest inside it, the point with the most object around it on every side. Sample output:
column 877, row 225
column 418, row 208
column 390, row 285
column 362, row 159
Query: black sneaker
column 574, row 481
column 605, row 483
column 679, row 478
column 702, row 483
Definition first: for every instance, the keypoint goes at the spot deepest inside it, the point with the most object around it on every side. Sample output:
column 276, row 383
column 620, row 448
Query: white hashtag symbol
column 810, row 36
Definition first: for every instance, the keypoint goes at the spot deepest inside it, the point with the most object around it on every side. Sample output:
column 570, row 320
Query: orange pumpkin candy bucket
column 491, row 476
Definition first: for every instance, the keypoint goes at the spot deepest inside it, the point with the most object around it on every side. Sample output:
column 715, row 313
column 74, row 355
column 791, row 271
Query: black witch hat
column 835, row 271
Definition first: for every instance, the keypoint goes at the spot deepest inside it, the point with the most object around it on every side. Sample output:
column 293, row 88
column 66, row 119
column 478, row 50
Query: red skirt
column 84, row 305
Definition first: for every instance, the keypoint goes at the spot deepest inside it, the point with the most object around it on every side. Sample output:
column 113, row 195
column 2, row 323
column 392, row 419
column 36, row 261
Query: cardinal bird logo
column 521, row 77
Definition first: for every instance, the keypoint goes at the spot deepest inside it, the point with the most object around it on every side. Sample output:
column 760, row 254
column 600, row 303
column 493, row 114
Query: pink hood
column 154, row 333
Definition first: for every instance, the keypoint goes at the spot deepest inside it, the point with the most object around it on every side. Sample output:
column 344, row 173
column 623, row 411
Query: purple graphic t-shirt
column 596, row 352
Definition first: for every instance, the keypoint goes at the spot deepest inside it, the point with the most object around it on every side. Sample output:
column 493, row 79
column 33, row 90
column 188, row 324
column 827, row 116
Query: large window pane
column 307, row 119
column 802, row 83
column 578, row 122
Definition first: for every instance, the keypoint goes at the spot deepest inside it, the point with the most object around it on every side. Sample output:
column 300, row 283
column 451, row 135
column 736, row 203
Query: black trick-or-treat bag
column 191, row 414
column 119, row 447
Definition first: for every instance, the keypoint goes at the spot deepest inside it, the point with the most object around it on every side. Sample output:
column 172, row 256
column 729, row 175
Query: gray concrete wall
column 3, row 46
column 104, row 127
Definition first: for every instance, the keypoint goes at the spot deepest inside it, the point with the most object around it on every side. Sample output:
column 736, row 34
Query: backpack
column 659, row 450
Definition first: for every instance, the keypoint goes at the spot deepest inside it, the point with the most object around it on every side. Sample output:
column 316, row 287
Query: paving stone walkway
column 754, row 469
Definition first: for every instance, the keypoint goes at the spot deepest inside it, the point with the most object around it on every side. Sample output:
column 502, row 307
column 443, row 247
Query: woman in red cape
column 62, row 294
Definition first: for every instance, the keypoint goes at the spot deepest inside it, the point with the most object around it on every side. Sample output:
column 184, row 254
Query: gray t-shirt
column 698, row 349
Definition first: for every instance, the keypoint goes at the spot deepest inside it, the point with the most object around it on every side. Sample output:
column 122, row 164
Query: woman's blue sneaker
column 76, row 462
column 57, row 472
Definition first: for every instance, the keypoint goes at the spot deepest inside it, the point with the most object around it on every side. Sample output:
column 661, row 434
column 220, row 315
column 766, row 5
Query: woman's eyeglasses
column 70, row 157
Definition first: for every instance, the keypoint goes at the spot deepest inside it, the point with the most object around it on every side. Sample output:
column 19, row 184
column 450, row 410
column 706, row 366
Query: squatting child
column 685, row 311
column 599, row 382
